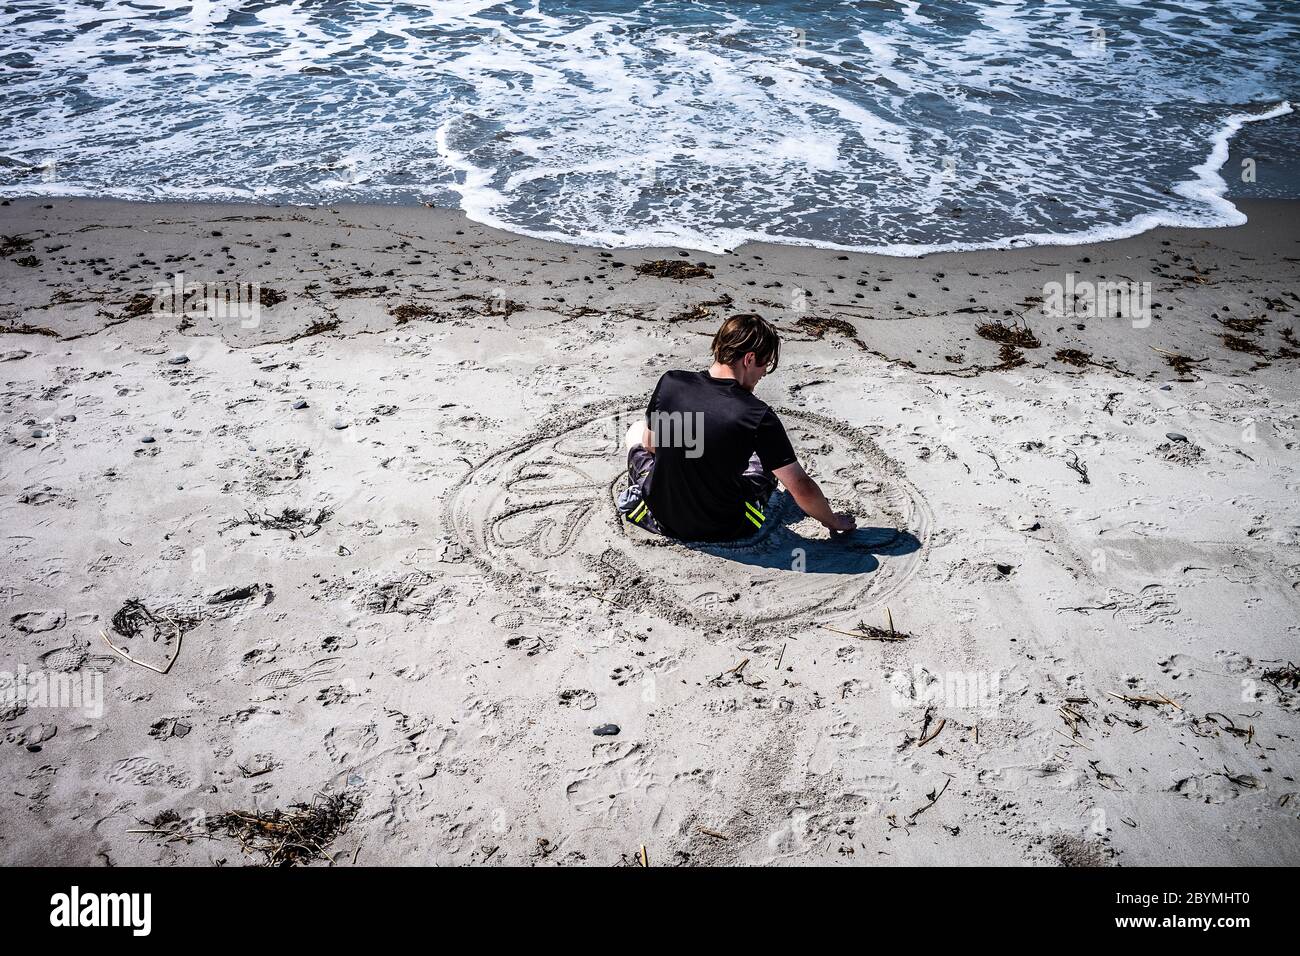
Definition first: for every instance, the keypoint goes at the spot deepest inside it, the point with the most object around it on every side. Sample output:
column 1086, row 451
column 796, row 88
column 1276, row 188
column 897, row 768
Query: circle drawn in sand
column 544, row 509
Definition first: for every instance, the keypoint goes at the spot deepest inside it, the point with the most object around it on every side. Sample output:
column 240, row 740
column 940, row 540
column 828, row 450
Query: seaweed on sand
column 1292, row 348
column 360, row 292
column 135, row 619
column 283, row 838
column 1081, row 359
column 298, row 522
column 696, row 313
column 26, row 328
column 286, row 838
column 320, row 327
column 1017, row 335
column 1241, row 344
column 819, row 326
column 269, row 298
column 673, row 269
column 142, row 303
column 408, row 312
column 1076, row 357
column 1010, row 356
column 1288, row 676
column 1182, row 364
column 11, row 244
column 1245, row 326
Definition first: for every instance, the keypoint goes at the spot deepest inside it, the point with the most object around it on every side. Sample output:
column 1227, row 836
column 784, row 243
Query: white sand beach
column 372, row 536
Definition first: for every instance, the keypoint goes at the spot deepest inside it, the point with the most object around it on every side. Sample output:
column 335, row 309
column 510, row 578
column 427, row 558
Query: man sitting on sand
column 709, row 455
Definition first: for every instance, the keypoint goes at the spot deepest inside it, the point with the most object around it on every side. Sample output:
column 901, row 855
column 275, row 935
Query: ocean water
column 890, row 125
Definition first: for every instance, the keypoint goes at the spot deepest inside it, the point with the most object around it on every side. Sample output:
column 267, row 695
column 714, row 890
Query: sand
column 1008, row 664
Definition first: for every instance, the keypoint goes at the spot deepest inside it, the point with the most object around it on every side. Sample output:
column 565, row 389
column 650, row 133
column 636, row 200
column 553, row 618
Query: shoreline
column 1207, row 186
column 377, row 513
column 839, row 286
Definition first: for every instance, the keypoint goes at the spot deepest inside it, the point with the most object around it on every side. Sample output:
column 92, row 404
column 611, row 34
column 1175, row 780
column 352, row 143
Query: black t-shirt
column 705, row 431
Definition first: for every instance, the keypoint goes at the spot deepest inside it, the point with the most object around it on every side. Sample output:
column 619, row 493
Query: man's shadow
column 780, row 547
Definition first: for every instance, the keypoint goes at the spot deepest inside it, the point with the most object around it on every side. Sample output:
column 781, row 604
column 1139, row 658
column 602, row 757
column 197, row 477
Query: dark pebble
column 606, row 730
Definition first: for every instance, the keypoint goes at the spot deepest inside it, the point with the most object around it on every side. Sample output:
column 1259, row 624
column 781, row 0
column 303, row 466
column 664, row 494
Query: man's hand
column 841, row 521
column 808, row 494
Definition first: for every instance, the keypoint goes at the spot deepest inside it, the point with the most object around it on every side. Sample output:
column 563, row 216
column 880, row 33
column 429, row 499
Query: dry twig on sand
column 1137, row 700
column 1072, row 719
column 1078, row 467
column 938, row 728
column 933, row 797
column 869, row 632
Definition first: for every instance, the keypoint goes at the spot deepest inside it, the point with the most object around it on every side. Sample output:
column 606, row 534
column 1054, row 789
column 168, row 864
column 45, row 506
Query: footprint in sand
column 526, row 630
column 38, row 622
column 582, row 699
column 345, row 744
column 286, row 677
column 1178, row 667
column 144, row 772
column 620, row 771
column 1233, row 662
column 65, row 659
column 1217, row 787
column 1151, row 604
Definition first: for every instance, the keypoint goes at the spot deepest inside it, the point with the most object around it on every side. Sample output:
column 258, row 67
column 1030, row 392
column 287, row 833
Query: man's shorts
column 640, row 464
column 631, row 504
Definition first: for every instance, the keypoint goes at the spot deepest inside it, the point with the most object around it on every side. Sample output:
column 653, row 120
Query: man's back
column 705, row 430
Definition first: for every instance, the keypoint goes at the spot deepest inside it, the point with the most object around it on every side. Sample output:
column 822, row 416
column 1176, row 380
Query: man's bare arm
column 809, row 496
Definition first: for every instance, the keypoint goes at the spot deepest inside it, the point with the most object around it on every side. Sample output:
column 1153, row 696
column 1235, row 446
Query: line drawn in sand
column 543, row 509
